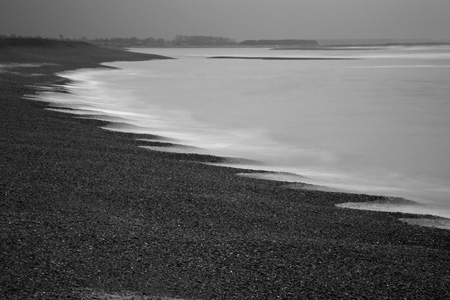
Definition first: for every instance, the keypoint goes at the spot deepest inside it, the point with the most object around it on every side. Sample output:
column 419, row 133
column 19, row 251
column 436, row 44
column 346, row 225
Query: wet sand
column 88, row 214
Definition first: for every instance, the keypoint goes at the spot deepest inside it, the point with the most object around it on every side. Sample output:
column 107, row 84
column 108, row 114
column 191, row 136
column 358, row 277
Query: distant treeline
column 203, row 40
column 13, row 36
column 212, row 40
column 114, row 42
column 180, row 40
column 127, row 42
column 279, row 43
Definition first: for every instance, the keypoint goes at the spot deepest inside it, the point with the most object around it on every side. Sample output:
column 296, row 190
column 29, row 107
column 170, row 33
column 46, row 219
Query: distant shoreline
column 349, row 47
column 280, row 58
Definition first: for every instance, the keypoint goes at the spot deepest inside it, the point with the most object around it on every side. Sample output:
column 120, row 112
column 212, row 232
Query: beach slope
column 87, row 214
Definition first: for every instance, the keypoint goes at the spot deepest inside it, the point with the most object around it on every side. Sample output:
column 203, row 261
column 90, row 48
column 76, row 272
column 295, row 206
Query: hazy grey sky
column 239, row 19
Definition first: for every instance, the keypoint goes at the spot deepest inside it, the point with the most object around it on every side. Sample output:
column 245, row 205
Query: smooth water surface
column 378, row 123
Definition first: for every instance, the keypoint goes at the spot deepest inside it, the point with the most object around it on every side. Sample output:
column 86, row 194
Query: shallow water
column 378, row 124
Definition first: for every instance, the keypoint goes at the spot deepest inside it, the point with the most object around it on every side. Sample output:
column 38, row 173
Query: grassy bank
column 87, row 214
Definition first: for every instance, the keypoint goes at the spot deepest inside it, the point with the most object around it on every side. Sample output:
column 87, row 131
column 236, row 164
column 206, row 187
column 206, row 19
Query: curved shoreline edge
column 164, row 144
column 86, row 212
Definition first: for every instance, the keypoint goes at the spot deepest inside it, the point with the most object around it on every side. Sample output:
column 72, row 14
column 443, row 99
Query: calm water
column 379, row 124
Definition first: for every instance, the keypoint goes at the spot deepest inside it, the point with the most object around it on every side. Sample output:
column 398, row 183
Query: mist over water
column 378, row 124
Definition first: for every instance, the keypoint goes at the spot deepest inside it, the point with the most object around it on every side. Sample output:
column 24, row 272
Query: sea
column 372, row 120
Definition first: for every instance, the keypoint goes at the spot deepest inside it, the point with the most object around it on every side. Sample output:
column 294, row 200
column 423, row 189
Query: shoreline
column 86, row 209
column 280, row 58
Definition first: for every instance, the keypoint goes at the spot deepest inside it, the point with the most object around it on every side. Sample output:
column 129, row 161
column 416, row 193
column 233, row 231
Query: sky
column 237, row 19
